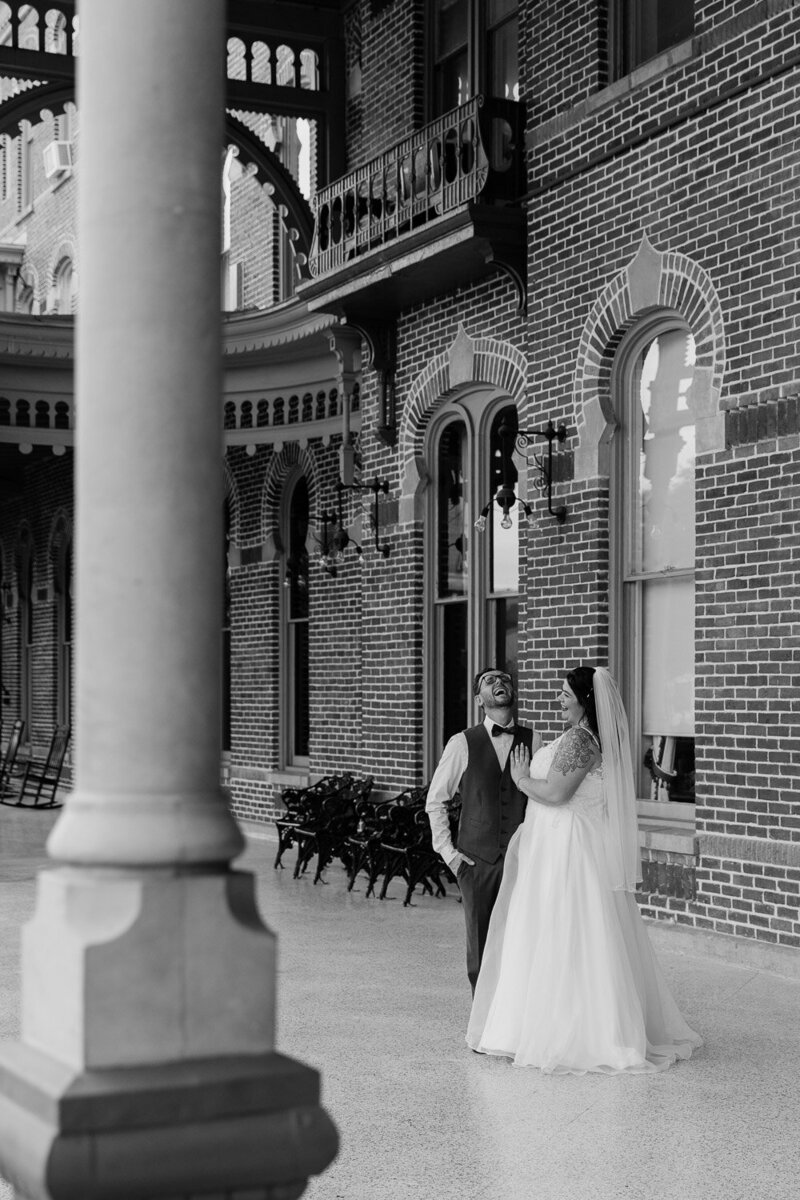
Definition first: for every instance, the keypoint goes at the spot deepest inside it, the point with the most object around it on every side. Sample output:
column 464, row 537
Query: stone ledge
column 668, row 837
column 672, row 938
column 770, row 851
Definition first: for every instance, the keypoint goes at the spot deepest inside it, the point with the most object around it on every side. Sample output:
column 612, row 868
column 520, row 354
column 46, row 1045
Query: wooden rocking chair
column 7, row 769
column 41, row 777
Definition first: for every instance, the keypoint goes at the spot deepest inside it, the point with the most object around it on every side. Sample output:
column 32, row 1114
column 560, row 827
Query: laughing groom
column 475, row 763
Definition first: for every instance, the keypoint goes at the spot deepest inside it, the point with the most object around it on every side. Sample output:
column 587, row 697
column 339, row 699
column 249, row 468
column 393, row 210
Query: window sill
column 646, row 73
column 290, row 777
column 669, row 827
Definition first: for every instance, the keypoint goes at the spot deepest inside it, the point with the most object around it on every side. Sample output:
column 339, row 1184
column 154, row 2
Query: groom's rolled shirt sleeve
column 443, row 787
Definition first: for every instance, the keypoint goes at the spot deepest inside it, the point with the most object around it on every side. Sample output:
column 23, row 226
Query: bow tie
column 498, row 729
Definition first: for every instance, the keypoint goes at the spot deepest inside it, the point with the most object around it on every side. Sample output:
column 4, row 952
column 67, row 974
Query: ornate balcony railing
column 472, row 154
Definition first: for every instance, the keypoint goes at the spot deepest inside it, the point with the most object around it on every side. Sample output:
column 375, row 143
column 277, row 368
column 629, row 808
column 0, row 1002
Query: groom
column 475, row 763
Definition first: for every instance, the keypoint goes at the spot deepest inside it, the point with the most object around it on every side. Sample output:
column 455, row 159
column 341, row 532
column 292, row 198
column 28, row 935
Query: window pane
column 504, row 542
column 451, row 514
column 298, row 633
column 668, row 657
column 496, row 10
column 298, row 552
column 453, row 629
column 503, row 68
column 665, row 502
column 451, row 27
column 505, row 621
column 645, row 28
column 451, row 83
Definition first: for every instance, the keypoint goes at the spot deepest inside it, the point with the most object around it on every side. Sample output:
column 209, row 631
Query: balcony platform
column 462, row 248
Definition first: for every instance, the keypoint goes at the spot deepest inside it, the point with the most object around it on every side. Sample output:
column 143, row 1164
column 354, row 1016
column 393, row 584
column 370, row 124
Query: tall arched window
column 226, row 630
column 295, row 621
column 25, row 590
column 62, row 298
column 64, row 632
column 473, row 577
column 654, row 555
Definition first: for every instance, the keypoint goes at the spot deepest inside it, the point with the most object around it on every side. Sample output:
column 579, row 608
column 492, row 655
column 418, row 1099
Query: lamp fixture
column 505, row 497
column 376, row 487
column 296, row 574
column 335, row 538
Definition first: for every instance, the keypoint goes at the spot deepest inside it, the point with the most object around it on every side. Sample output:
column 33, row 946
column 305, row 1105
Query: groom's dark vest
column 491, row 805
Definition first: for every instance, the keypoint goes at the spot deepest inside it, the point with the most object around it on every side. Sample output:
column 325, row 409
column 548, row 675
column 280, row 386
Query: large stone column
column 146, row 1065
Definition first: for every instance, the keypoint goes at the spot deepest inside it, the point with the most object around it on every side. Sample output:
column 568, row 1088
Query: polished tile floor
column 375, row 996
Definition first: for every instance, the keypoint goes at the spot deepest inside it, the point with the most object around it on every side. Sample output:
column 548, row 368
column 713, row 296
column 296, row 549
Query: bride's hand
column 518, row 763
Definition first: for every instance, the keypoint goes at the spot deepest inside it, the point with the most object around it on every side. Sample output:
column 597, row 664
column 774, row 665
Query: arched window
column 63, row 580
column 295, row 614
column 25, row 629
column 653, row 539
column 63, row 294
column 225, row 732
column 473, row 577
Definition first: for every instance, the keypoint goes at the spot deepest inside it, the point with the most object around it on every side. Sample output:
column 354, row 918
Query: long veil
column 624, row 858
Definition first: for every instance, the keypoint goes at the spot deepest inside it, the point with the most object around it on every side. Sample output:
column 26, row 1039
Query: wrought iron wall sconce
column 505, row 497
column 336, row 539
column 376, row 487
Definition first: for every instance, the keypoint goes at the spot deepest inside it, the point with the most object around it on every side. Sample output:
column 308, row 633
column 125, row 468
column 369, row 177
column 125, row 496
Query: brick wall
column 701, row 157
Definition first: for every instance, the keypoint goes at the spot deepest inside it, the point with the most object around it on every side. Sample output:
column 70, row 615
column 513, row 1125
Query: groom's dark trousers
column 492, row 808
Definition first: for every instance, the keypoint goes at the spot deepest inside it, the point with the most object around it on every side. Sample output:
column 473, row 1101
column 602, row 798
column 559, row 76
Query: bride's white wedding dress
column 569, row 981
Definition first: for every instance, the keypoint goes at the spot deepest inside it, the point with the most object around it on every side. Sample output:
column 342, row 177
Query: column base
column 212, row 1125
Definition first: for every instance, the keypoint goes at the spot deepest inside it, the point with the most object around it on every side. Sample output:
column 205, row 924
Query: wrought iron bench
column 301, row 804
column 326, row 831
column 407, row 851
column 373, row 816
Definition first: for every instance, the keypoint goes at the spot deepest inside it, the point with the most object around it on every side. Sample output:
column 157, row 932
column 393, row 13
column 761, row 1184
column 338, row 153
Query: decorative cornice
column 30, row 337
column 270, row 329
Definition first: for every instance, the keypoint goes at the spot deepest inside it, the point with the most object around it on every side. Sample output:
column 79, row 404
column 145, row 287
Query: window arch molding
column 468, row 361
column 652, row 283
column 62, row 276
column 467, row 618
column 284, row 459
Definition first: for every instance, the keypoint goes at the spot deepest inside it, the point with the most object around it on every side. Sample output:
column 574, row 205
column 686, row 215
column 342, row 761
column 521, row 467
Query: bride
column 569, row 982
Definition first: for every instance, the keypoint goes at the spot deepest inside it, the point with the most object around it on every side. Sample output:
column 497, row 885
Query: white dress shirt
column 446, row 780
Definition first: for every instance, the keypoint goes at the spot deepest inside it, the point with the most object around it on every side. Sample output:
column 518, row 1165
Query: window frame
column 476, row 408
column 64, row 631
column 625, row 616
column 288, row 682
column 626, row 31
column 478, row 31
column 26, row 587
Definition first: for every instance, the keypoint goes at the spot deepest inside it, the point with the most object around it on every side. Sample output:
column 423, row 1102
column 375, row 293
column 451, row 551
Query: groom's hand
column 457, row 859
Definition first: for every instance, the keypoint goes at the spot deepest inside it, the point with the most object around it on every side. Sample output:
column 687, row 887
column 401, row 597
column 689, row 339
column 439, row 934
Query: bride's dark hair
column 581, row 680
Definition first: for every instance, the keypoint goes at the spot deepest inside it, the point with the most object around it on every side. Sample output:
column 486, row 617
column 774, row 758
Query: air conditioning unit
column 57, row 158
column 234, row 287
